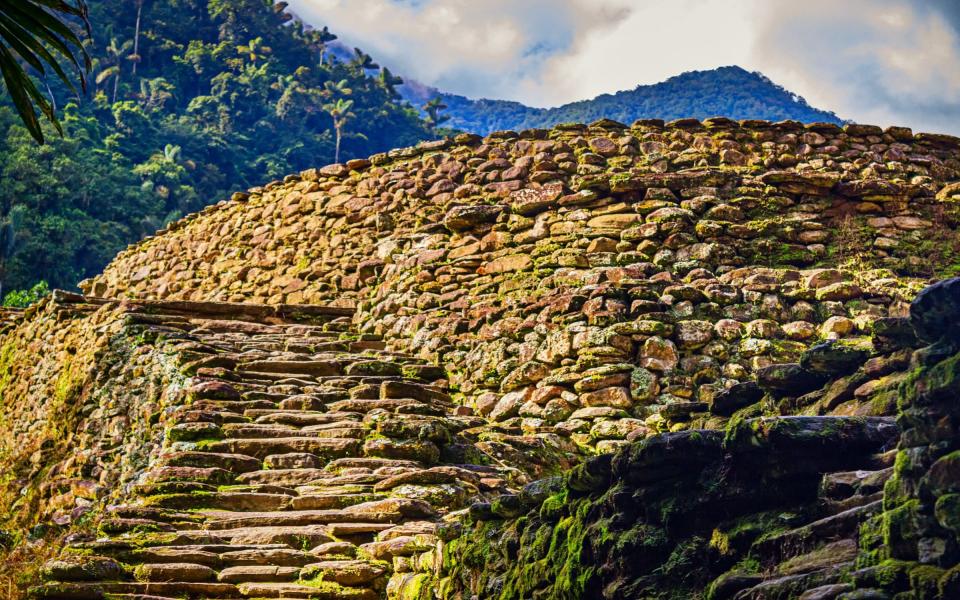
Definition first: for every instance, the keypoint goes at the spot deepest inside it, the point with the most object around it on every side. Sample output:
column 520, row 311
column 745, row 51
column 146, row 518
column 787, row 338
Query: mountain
column 726, row 91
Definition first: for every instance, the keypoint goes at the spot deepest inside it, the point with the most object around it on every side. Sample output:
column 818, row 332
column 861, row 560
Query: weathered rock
column 460, row 218
column 934, row 312
column 791, row 379
column 729, row 400
column 833, row 358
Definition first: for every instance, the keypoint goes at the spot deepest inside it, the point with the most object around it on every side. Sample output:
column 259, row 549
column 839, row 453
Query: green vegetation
column 24, row 298
column 190, row 100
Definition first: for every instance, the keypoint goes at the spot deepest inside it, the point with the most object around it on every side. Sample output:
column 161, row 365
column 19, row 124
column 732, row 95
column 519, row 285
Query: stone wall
column 80, row 399
column 773, row 508
column 585, row 289
column 591, row 284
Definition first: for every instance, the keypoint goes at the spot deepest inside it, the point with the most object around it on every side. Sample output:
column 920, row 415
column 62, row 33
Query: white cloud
column 492, row 48
column 875, row 61
column 880, row 61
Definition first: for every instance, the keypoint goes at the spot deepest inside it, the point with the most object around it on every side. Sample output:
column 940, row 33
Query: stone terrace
column 301, row 461
column 300, row 391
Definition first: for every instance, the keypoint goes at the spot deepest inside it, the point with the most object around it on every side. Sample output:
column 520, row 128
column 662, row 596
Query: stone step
column 232, row 520
column 262, row 447
column 842, row 485
column 365, row 480
column 235, row 406
column 170, row 572
column 792, row 586
column 284, row 477
column 286, row 368
column 831, row 554
column 268, row 430
column 221, row 500
column 258, row 574
column 98, row 590
column 792, row 543
column 345, row 572
column 370, row 463
column 273, row 397
column 329, row 501
column 330, row 591
column 235, row 463
column 265, row 555
column 146, row 597
column 417, row 391
column 833, row 507
column 303, row 418
column 294, row 536
column 126, row 511
column 389, row 404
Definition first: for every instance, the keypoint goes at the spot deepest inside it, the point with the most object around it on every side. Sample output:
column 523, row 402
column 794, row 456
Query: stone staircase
column 303, row 461
column 815, row 556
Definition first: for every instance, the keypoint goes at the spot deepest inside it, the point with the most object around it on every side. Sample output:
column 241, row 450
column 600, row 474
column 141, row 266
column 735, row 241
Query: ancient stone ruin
column 682, row 360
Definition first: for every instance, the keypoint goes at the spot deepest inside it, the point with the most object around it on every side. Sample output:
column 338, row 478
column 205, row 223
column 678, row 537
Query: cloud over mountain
column 883, row 61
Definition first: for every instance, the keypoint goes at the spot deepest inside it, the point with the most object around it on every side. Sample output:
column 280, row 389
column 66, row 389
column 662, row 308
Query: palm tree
column 33, row 31
column 389, row 81
column 363, row 60
column 320, row 38
column 155, row 92
column 8, row 238
column 135, row 57
column 433, row 108
column 340, row 112
column 115, row 52
column 254, row 50
column 338, row 88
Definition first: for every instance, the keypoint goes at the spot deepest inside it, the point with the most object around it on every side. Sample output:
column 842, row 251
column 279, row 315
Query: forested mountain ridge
column 189, row 100
column 731, row 92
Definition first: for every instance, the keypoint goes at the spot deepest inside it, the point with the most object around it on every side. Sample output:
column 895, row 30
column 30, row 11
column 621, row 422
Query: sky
column 884, row 62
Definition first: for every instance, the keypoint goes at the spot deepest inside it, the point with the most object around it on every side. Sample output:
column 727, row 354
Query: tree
column 320, row 38
column 155, row 92
column 240, row 120
column 363, row 61
column 340, row 112
column 24, row 298
column 135, row 57
column 434, row 118
column 8, row 239
column 115, row 53
column 389, row 81
column 27, row 29
column 255, row 50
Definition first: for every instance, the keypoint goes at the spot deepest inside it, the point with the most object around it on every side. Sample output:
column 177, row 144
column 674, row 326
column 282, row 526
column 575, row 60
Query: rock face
column 601, row 346
column 521, row 261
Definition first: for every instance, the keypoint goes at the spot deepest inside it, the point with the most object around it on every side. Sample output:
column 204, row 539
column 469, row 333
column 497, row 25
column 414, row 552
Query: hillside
column 728, row 91
column 663, row 360
column 189, row 101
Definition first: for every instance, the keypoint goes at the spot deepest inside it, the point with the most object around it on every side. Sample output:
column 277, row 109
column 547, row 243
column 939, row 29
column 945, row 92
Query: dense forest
column 727, row 91
column 188, row 100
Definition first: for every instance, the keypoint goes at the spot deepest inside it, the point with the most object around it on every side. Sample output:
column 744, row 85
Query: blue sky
column 874, row 61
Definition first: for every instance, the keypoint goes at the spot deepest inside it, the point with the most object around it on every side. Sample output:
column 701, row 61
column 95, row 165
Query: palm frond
column 32, row 31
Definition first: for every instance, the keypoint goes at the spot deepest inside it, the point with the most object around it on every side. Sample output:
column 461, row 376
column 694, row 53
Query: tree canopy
column 189, row 100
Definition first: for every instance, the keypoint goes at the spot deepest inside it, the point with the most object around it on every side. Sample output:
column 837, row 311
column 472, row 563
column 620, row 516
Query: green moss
column 900, row 529
column 925, row 580
column 872, row 547
column 554, row 507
